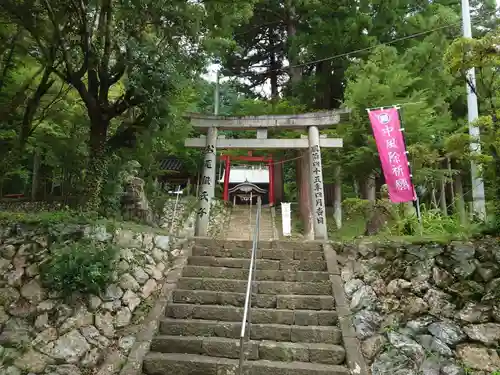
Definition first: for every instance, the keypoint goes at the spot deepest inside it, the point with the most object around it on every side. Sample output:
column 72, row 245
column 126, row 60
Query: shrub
column 355, row 208
column 433, row 223
column 83, row 266
column 47, row 219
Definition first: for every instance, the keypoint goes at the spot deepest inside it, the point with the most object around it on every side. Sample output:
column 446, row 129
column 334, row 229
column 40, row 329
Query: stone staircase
column 294, row 328
column 242, row 224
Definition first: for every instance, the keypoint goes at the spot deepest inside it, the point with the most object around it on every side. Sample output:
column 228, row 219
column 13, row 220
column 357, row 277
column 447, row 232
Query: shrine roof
column 171, row 163
column 247, row 187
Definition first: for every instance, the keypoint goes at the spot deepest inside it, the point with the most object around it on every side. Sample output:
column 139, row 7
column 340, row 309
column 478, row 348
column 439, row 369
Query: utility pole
column 217, row 92
column 478, row 199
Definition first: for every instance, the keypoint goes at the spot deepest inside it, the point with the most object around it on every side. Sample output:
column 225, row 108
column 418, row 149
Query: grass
column 354, row 229
column 351, row 229
column 48, row 219
column 435, row 228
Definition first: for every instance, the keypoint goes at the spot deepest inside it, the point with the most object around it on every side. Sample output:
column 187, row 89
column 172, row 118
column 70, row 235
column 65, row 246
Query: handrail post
column 252, row 270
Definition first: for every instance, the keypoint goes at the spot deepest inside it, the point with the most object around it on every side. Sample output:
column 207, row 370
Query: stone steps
column 273, row 332
column 260, row 275
column 247, row 244
column 259, row 315
column 260, row 287
column 290, row 265
column 272, row 254
column 294, row 325
column 242, row 223
column 207, row 297
column 263, row 350
column 191, row 364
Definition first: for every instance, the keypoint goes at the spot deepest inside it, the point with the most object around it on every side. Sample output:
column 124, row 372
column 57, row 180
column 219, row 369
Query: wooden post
column 271, row 180
column 227, row 172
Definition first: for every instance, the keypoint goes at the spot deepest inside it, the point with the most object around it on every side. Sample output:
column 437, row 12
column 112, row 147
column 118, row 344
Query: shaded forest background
column 87, row 86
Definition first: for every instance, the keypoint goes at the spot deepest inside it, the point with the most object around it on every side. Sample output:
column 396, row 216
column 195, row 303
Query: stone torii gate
column 313, row 142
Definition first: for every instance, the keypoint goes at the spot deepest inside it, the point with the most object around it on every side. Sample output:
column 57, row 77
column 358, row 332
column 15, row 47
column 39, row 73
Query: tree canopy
column 87, row 85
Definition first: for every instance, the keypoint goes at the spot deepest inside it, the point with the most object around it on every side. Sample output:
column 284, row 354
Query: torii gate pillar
column 208, row 181
column 316, row 188
column 313, row 143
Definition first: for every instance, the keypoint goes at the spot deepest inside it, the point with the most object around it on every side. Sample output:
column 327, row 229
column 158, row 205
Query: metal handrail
column 245, row 334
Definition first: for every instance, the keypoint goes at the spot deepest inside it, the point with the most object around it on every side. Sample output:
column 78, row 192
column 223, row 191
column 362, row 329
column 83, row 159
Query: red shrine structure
column 246, row 186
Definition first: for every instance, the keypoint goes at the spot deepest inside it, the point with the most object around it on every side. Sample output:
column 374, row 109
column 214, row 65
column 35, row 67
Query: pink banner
column 391, row 148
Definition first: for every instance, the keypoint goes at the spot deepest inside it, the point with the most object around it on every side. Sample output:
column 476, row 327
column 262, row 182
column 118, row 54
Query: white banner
column 286, row 219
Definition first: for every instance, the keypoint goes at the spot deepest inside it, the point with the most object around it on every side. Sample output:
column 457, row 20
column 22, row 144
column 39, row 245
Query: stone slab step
column 272, row 254
column 290, row 302
column 191, row 364
column 260, row 287
column 259, row 316
column 264, row 264
column 273, row 332
column 266, row 350
column 263, row 275
column 247, row 244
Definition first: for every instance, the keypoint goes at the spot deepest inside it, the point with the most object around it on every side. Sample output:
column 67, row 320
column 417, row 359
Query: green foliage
column 113, row 189
column 355, row 207
column 129, row 69
column 47, row 219
column 387, row 78
column 158, row 199
column 88, row 102
column 85, row 267
column 433, row 223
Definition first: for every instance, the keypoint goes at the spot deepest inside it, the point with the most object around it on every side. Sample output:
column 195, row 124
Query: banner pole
column 416, row 201
column 393, row 105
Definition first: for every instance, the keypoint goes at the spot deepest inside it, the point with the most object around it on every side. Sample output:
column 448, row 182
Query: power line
column 367, row 49
column 412, row 36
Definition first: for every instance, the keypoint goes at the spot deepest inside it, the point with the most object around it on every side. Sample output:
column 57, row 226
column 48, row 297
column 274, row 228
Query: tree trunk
column 370, row 192
column 274, row 66
column 355, row 186
column 35, row 175
column 323, row 89
column 497, row 190
column 291, row 27
column 496, row 160
column 97, row 166
column 274, row 79
column 433, row 197
column 450, row 182
column 442, row 196
column 459, row 197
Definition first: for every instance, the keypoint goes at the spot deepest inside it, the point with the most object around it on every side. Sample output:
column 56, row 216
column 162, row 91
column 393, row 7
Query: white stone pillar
column 337, row 198
column 208, row 181
column 317, row 191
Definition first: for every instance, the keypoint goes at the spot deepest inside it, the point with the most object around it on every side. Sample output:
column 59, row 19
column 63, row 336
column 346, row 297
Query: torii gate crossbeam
column 310, row 121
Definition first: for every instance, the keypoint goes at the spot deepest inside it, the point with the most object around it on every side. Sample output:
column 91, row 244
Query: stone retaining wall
column 220, row 217
column 425, row 309
column 44, row 334
column 179, row 216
